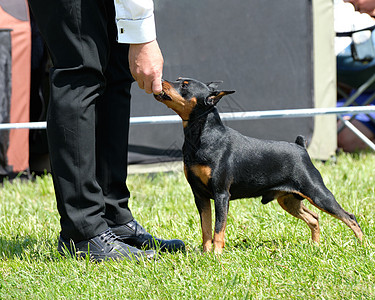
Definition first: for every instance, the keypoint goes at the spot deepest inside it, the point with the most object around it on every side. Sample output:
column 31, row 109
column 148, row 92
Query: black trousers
column 88, row 114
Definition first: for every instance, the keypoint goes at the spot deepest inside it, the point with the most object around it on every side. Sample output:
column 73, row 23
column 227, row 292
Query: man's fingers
column 141, row 84
column 157, row 87
column 151, row 86
column 148, row 87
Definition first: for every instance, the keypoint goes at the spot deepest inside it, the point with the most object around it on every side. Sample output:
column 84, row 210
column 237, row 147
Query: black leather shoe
column 135, row 235
column 103, row 247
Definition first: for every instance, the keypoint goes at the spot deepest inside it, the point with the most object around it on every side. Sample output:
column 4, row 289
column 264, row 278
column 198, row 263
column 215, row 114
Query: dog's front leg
column 204, row 208
column 221, row 213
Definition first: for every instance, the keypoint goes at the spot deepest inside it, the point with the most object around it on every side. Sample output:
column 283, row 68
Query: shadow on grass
column 247, row 244
column 25, row 246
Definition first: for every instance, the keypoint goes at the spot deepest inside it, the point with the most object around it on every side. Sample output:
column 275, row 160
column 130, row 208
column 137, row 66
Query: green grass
column 268, row 254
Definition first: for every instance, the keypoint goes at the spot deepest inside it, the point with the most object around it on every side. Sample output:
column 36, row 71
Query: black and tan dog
column 223, row 165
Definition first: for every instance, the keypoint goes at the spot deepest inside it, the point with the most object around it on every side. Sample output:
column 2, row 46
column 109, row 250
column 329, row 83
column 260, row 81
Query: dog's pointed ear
column 214, row 84
column 214, row 98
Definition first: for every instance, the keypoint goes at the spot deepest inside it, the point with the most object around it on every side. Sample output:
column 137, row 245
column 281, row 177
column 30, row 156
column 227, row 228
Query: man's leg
column 113, row 114
column 75, row 32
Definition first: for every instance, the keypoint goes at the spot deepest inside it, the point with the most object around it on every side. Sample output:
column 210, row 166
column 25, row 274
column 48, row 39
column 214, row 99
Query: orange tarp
column 18, row 151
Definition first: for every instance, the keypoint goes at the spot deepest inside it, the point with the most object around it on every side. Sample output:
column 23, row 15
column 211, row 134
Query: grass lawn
column 268, row 254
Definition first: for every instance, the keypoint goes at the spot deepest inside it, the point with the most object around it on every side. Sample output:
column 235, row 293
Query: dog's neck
column 198, row 123
column 200, row 119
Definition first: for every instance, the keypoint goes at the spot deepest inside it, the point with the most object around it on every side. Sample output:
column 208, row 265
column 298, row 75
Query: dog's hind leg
column 326, row 202
column 204, row 207
column 296, row 208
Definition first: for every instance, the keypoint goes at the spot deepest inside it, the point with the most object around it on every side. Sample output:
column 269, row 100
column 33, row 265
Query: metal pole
column 270, row 114
column 227, row 116
column 358, row 133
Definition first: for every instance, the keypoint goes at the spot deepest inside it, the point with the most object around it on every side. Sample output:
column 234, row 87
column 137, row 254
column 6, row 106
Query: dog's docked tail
column 300, row 140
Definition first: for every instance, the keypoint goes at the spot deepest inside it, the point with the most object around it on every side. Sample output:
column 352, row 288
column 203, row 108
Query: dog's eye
column 184, row 84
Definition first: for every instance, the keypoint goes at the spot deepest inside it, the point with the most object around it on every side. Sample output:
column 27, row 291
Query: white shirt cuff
column 136, row 31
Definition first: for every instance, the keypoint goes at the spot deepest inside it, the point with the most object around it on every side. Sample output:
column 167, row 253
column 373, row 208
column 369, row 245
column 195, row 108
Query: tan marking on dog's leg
column 219, row 240
column 352, row 225
column 206, row 224
column 296, row 208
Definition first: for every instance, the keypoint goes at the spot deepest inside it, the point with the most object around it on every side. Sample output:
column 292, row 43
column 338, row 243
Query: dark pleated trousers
column 88, row 114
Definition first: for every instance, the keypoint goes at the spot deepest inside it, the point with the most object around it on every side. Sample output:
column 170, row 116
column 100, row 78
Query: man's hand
column 364, row 6
column 146, row 65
